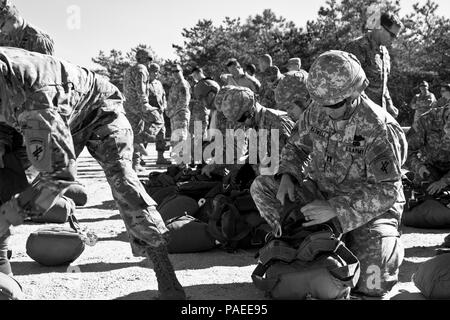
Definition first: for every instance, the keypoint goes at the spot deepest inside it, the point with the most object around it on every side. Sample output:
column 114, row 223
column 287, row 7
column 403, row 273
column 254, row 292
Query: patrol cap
column 335, row 76
column 424, row 84
column 154, row 67
column 204, row 87
column 294, row 62
column 236, row 102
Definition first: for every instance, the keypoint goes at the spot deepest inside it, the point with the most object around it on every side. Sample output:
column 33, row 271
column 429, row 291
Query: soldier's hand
column 2, row 153
column 436, row 187
column 423, row 172
column 287, row 187
column 318, row 212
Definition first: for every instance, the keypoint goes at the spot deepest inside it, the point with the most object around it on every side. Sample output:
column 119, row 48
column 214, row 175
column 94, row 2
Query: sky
column 81, row 28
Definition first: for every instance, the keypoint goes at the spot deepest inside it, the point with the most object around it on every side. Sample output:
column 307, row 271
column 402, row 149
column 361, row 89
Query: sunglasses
column 393, row 35
column 337, row 105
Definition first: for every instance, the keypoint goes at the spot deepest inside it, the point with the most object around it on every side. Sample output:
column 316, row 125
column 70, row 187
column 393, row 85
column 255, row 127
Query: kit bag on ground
column 433, row 277
column 54, row 246
column 177, row 205
column 162, row 193
column 10, row 289
column 305, row 263
column 188, row 235
column 60, row 212
column 430, row 214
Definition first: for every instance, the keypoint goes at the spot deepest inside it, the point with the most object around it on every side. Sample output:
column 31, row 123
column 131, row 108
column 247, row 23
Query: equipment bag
column 163, row 193
column 78, row 194
column 305, row 262
column 177, row 205
column 54, row 246
column 196, row 189
column 433, row 277
column 188, row 234
column 10, row 289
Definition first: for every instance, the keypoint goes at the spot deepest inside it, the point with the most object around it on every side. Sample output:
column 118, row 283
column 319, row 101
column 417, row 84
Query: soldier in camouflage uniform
column 423, row 101
column 240, row 106
column 429, row 155
column 445, row 97
column 200, row 112
column 60, row 108
column 237, row 77
column 157, row 98
column 267, row 92
column 16, row 32
column 348, row 152
column 371, row 51
column 291, row 94
column 178, row 106
column 143, row 117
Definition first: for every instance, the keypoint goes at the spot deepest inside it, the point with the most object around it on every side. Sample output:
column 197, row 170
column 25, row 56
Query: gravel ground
column 109, row 271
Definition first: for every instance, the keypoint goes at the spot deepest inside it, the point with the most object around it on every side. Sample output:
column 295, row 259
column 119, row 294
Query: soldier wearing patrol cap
column 423, row 101
column 267, row 93
column 294, row 64
column 157, row 98
column 137, row 107
column 60, row 109
column 237, row 77
column 372, row 51
column 178, row 105
column 353, row 151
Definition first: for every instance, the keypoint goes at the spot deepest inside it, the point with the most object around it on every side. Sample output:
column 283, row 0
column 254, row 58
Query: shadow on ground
column 88, row 220
column 106, row 205
column 229, row 291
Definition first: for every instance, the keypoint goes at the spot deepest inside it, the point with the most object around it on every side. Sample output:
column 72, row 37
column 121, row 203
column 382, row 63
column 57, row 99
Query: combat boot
column 161, row 160
column 168, row 286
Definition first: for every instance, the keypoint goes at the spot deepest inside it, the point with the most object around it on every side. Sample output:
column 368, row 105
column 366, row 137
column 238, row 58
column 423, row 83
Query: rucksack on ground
column 433, row 277
column 78, row 194
column 188, row 235
column 177, row 205
column 60, row 212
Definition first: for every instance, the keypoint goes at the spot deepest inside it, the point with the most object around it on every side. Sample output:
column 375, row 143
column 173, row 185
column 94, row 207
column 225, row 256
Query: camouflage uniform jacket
column 267, row 93
column 136, row 88
column 157, row 95
column 72, row 96
column 427, row 142
column 179, row 98
column 356, row 163
column 376, row 62
column 422, row 103
column 29, row 38
column 441, row 102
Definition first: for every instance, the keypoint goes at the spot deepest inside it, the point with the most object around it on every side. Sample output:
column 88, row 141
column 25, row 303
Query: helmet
column 334, row 77
column 221, row 95
column 204, row 87
column 292, row 89
column 144, row 55
column 236, row 102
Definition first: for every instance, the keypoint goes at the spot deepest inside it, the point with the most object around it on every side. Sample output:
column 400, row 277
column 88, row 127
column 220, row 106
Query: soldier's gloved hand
column 423, row 172
column 2, row 153
column 436, row 187
column 287, row 187
column 318, row 212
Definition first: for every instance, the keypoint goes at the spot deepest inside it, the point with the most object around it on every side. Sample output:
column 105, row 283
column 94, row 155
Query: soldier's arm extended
column 295, row 154
column 381, row 189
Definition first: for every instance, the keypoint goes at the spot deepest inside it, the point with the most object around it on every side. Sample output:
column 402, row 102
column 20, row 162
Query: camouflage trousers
column 199, row 117
column 147, row 128
column 376, row 245
column 179, row 124
column 111, row 144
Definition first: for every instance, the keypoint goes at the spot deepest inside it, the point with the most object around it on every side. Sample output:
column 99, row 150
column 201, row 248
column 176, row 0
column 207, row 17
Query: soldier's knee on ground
column 380, row 259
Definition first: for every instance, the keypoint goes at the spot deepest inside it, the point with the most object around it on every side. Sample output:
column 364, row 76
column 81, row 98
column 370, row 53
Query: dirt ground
column 109, row 271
